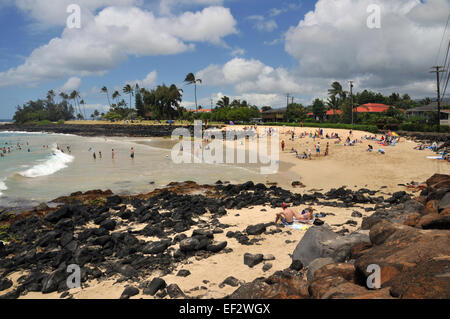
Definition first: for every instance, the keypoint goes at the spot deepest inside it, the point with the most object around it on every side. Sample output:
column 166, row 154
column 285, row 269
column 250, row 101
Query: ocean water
column 38, row 174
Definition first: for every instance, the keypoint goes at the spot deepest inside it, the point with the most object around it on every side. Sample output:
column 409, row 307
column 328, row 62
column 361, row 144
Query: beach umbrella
column 395, row 134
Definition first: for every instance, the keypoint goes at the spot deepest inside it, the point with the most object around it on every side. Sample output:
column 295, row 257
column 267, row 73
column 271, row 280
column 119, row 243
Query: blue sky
column 257, row 50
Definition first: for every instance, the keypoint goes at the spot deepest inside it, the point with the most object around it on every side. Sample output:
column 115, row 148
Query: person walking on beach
column 132, row 153
column 112, row 153
column 326, row 150
column 282, row 145
column 318, row 149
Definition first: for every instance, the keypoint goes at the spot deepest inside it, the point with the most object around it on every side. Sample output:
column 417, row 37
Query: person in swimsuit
column 132, row 152
column 288, row 214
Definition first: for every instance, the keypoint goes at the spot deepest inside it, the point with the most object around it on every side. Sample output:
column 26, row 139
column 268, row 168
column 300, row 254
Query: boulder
column 267, row 267
column 252, row 260
column 444, row 202
column 231, row 281
column 431, row 207
column 441, row 222
column 296, row 265
column 189, row 244
column 129, row 292
column 336, row 287
column 113, row 201
column 344, row 270
column 439, row 181
column 155, row 285
column 281, row 285
column 156, row 247
column 55, row 216
column 315, row 265
column 108, row 224
column 216, row 247
column 429, row 280
column 54, row 281
column 175, row 292
column 322, row 242
column 183, row 273
column 5, row 284
column 398, row 248
column 255, row 229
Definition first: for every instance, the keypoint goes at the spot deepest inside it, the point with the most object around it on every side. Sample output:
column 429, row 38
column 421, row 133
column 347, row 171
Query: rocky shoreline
column 92, row 230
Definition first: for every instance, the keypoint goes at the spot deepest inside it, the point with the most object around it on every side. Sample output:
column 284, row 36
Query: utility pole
column 287, row 99
column 292, row 100
column 437, row 70
column 351, row 97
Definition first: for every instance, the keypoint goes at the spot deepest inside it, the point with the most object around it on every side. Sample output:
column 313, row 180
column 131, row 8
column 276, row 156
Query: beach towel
column 435, row 157
column 298, row 226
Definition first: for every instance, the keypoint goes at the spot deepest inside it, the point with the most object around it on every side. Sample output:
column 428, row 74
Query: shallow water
column 43, row 174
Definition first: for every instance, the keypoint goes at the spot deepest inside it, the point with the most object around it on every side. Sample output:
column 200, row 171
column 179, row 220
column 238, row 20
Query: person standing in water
column 112, row 153
column 100, row 154
column 132, row 153
column 95, row 156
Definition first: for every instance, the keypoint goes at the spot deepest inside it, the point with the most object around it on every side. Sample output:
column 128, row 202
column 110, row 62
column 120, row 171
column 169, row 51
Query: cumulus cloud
column 74, row 83
column 115, row 33
column 167, row 6
column 54, row 12
column 148, row 82
column 333, row 41
column 249, row 76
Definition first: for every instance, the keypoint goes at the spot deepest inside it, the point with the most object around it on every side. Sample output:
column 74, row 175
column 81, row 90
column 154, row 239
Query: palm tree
column 50, row 96
column 115, row 95
column 333, row 103
column 105, row 90
column 127, row 89
column 190, row 79
column 224, row 102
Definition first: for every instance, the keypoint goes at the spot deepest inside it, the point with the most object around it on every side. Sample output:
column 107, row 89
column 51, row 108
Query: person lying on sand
column 288, row 214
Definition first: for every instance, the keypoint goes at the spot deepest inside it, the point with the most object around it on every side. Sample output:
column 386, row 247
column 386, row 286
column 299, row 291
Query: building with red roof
column 372, row 108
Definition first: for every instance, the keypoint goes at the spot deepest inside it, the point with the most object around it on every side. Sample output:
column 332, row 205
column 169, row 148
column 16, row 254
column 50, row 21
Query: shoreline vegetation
column 157, row 245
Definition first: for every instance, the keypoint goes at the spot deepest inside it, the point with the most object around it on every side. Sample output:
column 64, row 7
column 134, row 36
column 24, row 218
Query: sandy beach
column 350, row 166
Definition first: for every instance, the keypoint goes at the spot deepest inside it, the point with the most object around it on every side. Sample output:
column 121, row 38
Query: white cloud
column 238, row 51
column 115, row 33
column 148, row 82
column 263, row 24
column 167, row 6
column 53, row 12
column 74, row 83
column 333, row 41
column 249, row 76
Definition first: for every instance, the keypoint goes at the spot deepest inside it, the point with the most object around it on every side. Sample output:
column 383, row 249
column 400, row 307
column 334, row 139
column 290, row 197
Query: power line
column 442, row 40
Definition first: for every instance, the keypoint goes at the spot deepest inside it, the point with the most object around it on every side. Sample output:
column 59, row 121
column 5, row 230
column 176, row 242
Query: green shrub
column 44, row 122
column 422, row 127
column 60, row 122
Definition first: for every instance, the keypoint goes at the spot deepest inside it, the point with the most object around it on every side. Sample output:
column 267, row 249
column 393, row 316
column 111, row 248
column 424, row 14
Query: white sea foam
column 52, row 164
column 2, row 186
